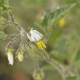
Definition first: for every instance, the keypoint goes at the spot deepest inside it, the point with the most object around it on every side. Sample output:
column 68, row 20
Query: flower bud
column 38, row 75
column 10, row 56
column 20, row 56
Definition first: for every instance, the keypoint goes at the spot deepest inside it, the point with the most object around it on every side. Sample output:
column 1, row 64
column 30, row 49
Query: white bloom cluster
column 33, row 36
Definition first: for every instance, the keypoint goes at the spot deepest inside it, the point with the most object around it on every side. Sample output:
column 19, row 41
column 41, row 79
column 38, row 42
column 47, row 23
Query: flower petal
column 35, row 35
column 10, row 58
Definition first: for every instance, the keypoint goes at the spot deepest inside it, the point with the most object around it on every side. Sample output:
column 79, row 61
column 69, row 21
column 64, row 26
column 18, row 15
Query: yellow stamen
column 38, row 45
column 41, row 45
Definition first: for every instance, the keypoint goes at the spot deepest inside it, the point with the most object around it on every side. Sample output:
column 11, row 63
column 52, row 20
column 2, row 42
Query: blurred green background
column 63, row 44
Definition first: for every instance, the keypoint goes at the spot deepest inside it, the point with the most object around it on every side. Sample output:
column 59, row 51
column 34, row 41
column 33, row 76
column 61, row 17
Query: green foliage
column 61, row 46
column 4, row 5
column 2, row 35
column 1, row 3
column 51, row 18
column 2, row 21
column 71, row 78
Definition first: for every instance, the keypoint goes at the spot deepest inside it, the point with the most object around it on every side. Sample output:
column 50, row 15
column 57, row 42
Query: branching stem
column 54, row 63
column 10, row 43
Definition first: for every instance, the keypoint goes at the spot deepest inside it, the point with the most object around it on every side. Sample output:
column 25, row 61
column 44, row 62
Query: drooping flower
column 10, row 56
column 36, row 36
column 20, row 56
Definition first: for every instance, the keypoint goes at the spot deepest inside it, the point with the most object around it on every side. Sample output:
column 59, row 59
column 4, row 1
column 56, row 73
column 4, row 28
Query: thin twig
column 27, row 43
column 36, row 66
column 20, row 46
column 10, row 43
column 8, row 36
column 12, row 19
column 6, row 24
column 34, row 56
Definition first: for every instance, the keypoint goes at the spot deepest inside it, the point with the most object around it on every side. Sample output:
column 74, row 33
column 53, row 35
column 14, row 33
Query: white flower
column 20, row 56
column 34, row 35
column 10, row 57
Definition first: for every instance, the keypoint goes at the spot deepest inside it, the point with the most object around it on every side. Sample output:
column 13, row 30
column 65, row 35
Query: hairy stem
column 12, row 19
column 10, row 43
column 54, row 63
column 36, row 64
column 27, row 43
column 20, row 46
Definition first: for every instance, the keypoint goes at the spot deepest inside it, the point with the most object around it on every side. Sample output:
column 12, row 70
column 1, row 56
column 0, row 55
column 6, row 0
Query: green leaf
column 1, row 3
column 7, row 9
column 51, row 18
column 2, row 20
column 74, row 55
column 61, row 46
column 2, row 35
column 71, row 78
column 6, row 2
column 66, row 45
column 4, row 5
column 54, row 36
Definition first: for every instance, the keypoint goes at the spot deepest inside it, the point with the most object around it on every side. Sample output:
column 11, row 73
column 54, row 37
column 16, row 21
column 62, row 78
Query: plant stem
column 12, row 19
column 54, row 63
column 10, row 43
column 36, row 66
